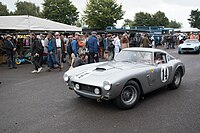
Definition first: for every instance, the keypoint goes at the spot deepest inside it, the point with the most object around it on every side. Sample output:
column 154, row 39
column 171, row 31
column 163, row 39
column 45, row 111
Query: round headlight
column 97, row 91
column 106, row 85
column 65, row 77
column 77, row 86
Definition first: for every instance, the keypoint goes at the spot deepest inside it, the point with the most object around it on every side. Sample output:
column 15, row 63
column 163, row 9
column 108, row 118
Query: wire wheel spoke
column 129, row 95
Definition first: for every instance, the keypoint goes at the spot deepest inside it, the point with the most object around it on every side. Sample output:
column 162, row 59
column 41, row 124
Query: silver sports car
column 133, row 73
column 189, row 46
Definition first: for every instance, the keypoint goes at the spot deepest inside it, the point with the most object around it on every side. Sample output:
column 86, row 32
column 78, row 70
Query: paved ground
column 41, row 103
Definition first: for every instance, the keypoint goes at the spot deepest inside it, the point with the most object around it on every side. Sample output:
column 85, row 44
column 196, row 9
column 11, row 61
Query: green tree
column 27, row 8
column 143, row 19
column 194, row 19
column 102, row 13
column 174, row 24
column 61, row 11
column 3, row 10
column 159, row 19
column 146, row 19
column 129, row 22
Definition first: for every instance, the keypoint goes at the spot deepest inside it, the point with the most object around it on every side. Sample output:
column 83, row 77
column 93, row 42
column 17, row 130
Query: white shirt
column 58, row 43
column 117, row 44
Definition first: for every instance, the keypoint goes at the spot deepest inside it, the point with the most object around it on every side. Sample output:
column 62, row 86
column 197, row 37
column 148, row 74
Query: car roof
column 145, row 49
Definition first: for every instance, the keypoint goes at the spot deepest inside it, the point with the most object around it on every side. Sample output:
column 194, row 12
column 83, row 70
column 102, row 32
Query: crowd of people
column 79, row 49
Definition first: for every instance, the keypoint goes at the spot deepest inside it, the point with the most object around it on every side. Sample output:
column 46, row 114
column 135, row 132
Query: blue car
column 189, row 46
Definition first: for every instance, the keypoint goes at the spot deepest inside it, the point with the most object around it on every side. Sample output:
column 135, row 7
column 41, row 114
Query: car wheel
column 129, row 96
column 177, row 79
column 197, row 52
column 179, row 52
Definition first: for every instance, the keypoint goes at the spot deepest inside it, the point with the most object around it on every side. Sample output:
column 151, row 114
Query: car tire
column 197, row 52
column 177, row 79
column 129, row 96
column 179, row 52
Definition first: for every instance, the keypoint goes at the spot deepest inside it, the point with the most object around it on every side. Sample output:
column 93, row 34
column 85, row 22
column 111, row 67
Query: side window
column 160, row 58
column 170, row 58
column 164, row 58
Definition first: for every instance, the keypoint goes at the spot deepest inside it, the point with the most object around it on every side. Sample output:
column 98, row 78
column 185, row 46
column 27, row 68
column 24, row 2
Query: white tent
column 25, row 22
column 187, row 30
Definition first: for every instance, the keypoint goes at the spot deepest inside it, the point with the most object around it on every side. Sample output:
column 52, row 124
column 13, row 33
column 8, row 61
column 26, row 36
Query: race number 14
column 164, row 74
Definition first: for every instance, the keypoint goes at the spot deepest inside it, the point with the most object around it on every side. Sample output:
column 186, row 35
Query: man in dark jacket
column 51, row 59
column 93, row 48
column 36, row 52
column 10, row 50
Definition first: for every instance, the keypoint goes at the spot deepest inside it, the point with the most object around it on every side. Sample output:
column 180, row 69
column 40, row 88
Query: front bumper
column 88, row 91
column 188, row 50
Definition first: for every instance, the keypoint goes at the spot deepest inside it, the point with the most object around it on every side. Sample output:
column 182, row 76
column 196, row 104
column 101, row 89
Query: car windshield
column 134, row 56
column 191, row 41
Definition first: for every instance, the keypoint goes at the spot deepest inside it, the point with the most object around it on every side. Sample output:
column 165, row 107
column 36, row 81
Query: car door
column 159, row 74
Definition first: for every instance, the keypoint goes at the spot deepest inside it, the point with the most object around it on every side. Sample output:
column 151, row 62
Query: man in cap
column 93, row 48
column 10, row 50
column 60, row 48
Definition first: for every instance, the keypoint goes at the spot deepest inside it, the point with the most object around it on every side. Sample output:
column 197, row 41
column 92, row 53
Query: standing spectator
column 93, row 48
column 132, row 41
column 117, row 44
column 100, row 45
column 137, row 40
column 103, row 45
column 152, row 42
column 168, row 41
column 51, row 59
column 173, row 41
column 124, row 41
column 110, row 47
column 145, row 41
column 36, row 52
column 44, row 42
column 60, row 48
column 74, row 45
column 10, row 50
column 69, row 49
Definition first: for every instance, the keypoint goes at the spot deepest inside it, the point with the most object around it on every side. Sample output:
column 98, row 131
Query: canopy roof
column 188, row 30
column 26, row 22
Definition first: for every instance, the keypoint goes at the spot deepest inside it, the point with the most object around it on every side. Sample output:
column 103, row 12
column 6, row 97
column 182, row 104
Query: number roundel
column 164, row 74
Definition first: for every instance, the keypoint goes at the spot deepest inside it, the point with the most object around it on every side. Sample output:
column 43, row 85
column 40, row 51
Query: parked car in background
column 189, row 46
column 133, row 73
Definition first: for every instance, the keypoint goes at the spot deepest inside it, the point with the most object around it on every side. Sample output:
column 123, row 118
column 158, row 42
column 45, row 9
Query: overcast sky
column 178, row 10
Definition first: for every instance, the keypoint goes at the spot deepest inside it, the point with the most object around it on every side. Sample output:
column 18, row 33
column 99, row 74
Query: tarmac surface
column 41, row 103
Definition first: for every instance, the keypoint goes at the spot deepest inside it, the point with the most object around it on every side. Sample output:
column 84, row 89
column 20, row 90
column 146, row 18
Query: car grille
column 187, row 49
column 87, row 88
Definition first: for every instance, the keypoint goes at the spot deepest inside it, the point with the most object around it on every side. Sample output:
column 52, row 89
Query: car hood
column 104, row 71
column 189, row 45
